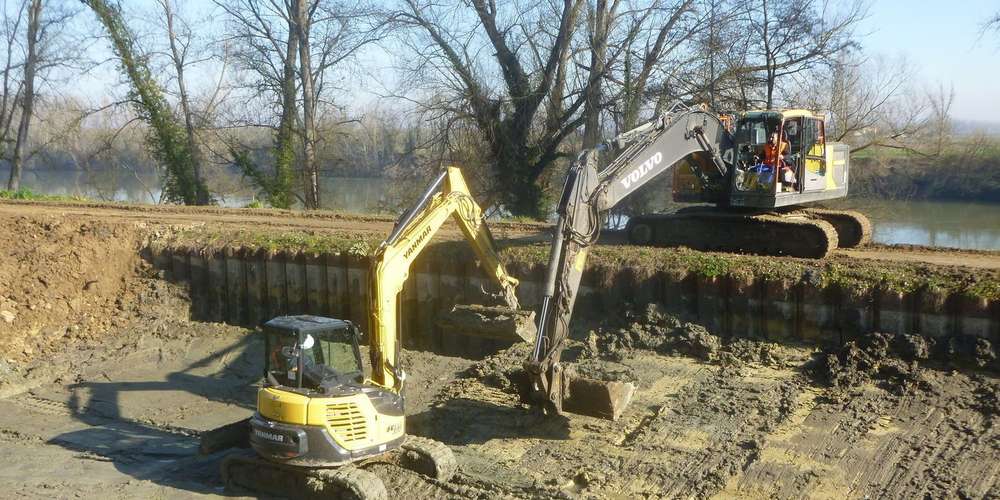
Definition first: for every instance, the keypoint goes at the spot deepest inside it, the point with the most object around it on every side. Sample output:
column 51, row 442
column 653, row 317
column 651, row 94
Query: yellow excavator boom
column 448, row 196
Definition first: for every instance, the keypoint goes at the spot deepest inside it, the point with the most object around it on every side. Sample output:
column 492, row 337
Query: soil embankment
column 355, row 226
column 64, row 280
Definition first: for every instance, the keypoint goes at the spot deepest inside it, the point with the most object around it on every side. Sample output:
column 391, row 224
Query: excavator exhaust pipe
column 491, row 322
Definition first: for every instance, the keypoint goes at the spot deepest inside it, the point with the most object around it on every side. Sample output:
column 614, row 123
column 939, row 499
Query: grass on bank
column 27, row 194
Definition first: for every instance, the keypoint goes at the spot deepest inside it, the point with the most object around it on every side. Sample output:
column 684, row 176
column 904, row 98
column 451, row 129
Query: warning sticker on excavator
column 580, row 261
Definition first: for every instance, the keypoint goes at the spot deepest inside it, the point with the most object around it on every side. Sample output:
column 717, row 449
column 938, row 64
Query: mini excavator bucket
column 490, row 322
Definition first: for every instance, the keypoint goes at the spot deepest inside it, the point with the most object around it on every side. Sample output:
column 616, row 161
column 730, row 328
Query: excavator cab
column 783, row 160
column 312, row 353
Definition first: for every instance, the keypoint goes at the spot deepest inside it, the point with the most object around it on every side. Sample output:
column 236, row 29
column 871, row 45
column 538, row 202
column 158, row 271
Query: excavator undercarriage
column 355, row 481
column 790, row 231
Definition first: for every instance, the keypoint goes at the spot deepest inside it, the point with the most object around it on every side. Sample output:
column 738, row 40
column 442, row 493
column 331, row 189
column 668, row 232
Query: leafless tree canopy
column 267, row 91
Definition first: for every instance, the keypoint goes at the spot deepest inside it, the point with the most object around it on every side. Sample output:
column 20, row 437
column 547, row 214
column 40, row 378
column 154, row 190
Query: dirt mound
column 63, row 280
column 653, row 330
column 898, row 359
column 688, row 432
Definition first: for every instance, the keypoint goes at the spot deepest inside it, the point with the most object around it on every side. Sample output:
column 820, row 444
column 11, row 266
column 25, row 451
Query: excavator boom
column 647, row 152
column 447, row 197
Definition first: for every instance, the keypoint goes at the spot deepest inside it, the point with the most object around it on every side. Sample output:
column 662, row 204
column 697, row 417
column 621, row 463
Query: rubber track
column 763, row 234
column 405, row 483
column 853, row 228
column 356, row 483
column 251, row 473
column 437, row 454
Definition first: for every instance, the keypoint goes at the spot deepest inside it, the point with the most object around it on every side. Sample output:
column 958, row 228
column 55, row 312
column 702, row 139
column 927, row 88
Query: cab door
column 814, row 149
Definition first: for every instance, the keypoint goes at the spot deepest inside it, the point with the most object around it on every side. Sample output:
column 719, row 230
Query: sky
column 942, row 40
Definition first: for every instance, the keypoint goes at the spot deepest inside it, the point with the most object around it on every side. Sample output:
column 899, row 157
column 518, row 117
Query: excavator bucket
column 491, row 322
column 597, row 398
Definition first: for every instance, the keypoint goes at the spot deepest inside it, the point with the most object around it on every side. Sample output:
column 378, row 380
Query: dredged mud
column 734, row 418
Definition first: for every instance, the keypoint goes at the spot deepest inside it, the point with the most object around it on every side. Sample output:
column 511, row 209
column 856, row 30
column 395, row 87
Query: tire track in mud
column 64, row 409
column 690, row 429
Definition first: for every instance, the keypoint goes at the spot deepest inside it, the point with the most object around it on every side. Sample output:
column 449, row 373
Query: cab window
column 313, row 360
column 814, row 140
column 793, row 134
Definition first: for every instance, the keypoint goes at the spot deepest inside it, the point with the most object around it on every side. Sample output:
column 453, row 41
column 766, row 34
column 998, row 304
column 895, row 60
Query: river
column 930, row 223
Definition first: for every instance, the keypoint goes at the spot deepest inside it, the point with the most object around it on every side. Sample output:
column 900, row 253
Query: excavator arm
column 645, row 153
column 447, row 197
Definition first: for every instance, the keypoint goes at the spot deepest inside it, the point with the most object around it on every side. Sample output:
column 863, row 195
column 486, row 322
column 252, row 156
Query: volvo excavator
column 758, row 169
column 318, row 419
column 728, row 170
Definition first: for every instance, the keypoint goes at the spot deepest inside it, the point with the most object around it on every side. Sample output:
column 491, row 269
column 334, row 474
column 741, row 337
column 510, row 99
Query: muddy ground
column 119, row 418
column 105, row 384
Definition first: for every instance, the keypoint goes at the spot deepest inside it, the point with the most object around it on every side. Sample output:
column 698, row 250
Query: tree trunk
column 201, row 190
column 280, row 191
column 598, row 56
column 311, row 169
column 28, row 97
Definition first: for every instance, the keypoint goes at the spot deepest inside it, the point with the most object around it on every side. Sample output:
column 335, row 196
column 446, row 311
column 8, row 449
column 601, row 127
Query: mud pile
column 732, row 418
column 653, row 330
column 692, row 426
column 899, row 360
column 63, row 280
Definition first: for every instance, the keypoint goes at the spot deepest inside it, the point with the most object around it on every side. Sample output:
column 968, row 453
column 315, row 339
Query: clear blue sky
column 942, row 40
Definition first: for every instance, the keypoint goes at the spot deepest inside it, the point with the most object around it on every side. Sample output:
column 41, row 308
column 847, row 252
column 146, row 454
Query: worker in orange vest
column 774, row 151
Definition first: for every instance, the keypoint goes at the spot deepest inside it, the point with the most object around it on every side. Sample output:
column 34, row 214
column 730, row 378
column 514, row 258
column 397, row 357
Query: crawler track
column 794, row 234
column 245, row 471
column 853, row 228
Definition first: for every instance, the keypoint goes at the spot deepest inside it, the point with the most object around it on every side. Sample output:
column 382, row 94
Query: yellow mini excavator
column 319, row 420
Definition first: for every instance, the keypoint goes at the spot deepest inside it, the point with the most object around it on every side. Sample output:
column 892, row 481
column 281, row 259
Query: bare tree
column 27, row 97
column 33, row 35
column 167, row 139
column 654, row 35
column 600, row 17
column 288, row 48
column 267, row 47
column 992, row 24
column 787, row 37
column 302, row 15
column 515, row 97
column 179, row 36
column 873, row 102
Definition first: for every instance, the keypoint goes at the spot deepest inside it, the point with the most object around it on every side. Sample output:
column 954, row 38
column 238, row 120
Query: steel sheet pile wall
column 247, row 287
